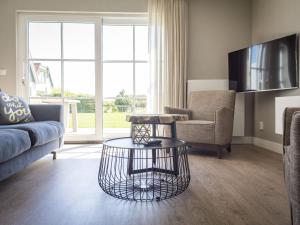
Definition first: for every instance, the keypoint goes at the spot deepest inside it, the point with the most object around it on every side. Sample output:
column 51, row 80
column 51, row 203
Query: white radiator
column 280, row 104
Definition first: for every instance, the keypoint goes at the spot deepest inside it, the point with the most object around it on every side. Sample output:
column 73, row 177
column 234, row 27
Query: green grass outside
column 115, row 120
column 110, row 120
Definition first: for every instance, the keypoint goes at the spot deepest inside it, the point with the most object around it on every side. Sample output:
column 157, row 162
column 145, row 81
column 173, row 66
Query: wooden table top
column 156, row 118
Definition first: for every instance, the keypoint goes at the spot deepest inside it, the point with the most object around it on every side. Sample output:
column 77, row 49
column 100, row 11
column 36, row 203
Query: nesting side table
column 127, row 170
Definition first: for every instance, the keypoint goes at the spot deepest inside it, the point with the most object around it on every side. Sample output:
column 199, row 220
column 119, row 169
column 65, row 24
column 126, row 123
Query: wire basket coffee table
column 136, row 172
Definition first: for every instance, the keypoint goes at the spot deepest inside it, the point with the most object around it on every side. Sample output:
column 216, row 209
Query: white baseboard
column 242, row 140
column 269, row 145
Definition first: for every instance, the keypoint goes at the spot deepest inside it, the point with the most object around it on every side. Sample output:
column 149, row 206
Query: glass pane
column 117, row 102
column 118, row 42
column 44, row 40
column 79, row 93
column 79, row 79
column 116, row 78
column 44, row 78
column 141, row 43
column 79, row 41
column 142, row 85
column 81, row 117
column 115, row 119
column 142, row 79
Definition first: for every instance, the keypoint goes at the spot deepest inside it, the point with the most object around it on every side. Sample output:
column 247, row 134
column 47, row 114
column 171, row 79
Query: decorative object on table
column 211, row 119
column 291, row 160
column 14, row 110
column 152, row 142
column 156, row 119
column 132, row 172
column 141, row 133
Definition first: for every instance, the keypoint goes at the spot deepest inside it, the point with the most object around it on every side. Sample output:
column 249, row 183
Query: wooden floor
column 246, row 187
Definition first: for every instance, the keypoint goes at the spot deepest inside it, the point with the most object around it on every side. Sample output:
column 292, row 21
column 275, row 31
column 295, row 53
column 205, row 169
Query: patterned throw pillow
column 14, row 110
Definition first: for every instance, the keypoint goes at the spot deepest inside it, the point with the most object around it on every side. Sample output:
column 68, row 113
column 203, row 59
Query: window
column 61, row 64
column 61, row 58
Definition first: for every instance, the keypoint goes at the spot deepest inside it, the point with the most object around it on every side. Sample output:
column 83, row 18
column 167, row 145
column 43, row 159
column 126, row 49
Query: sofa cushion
column 14, row 110
column 13, row 143
column 40, row 132
column 196, row 131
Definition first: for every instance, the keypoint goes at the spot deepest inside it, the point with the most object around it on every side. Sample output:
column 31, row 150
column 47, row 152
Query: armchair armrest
column 287, row 122
column 223, row 125
column 43, row 112
column 172, row 110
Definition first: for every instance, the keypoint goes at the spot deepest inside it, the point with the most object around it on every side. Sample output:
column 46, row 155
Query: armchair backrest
column 287, row 122
column 205, row 103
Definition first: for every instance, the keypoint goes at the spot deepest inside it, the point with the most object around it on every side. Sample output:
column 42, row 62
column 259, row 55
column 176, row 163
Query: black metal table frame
column 174, row 150
column 170, row 178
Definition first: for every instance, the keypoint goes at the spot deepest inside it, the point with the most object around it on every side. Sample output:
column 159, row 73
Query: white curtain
column 168, row 53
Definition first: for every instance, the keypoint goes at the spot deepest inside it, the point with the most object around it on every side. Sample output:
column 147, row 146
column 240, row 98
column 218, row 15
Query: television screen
column 268, row 66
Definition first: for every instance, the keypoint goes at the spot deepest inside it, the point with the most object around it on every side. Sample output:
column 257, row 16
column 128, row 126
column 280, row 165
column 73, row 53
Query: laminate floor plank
column 244, row 188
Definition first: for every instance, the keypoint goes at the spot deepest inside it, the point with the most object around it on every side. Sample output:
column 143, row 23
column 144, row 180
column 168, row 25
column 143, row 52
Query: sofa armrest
column 223, row 125
column 43, row 112
column 287, row 121
column 172, row 110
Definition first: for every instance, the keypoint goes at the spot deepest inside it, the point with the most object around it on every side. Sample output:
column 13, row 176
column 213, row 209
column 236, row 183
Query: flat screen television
column 272, row 65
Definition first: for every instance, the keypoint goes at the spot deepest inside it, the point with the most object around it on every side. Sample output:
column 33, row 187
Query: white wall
column 272, row 19
column 216, row 27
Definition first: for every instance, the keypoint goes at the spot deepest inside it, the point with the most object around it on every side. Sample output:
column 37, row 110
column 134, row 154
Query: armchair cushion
column 196, row 131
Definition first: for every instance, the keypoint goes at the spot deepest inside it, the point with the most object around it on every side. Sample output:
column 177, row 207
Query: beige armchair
column 210, row 119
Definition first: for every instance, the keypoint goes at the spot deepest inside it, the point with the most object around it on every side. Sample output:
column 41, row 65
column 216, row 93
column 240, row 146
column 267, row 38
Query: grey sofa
column 291, row 160
column 210, row 119
column 21, row 144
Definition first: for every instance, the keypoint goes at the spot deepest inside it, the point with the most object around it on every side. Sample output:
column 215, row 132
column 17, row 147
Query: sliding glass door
column 95, row 67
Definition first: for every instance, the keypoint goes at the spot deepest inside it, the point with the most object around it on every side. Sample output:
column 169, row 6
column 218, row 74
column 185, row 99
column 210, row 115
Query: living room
column 149, row 112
